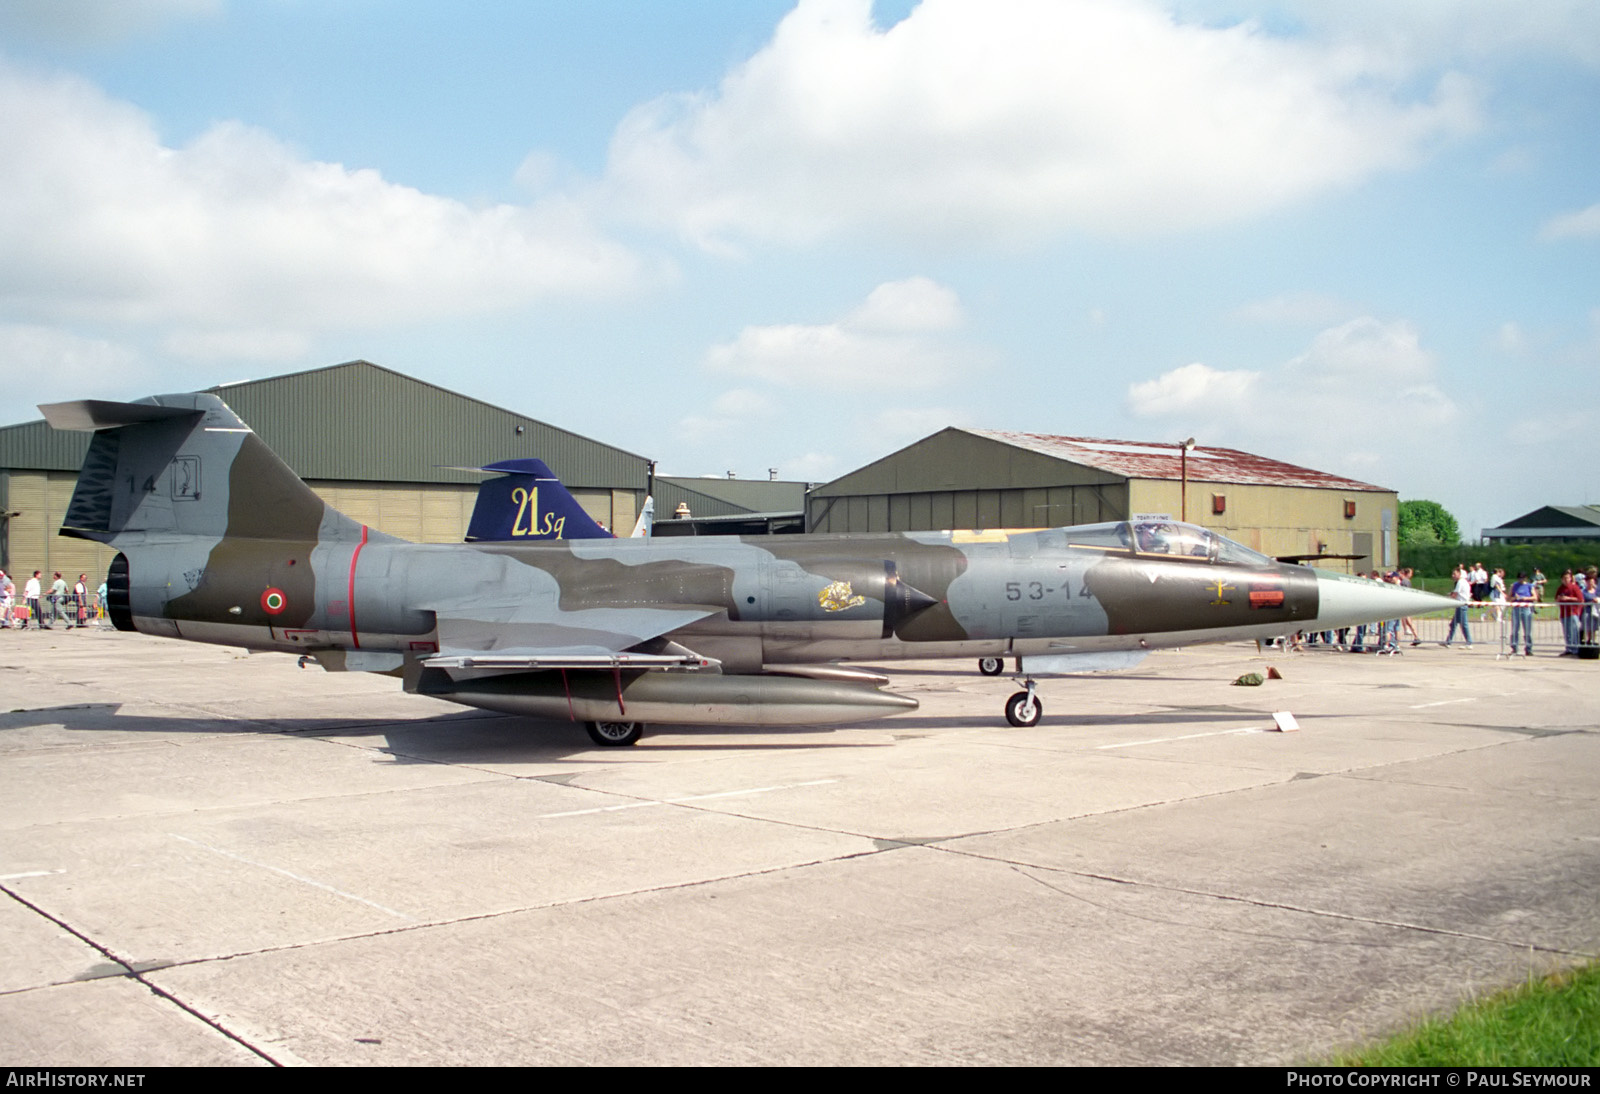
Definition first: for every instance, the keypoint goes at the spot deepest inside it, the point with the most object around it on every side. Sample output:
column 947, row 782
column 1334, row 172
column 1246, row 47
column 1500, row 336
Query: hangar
column 732, row 507
column 984, row 478
column 1550, row 524
column 379, row 446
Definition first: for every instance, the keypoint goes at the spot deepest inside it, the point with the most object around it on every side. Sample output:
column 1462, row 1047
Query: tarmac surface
column 214, row 858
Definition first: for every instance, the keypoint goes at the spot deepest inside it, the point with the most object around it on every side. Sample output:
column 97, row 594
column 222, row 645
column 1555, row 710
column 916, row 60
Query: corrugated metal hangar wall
column 964, row 478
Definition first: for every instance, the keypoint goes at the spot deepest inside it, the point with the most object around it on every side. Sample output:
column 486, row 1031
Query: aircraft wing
column 577, row 658
column 595, row 638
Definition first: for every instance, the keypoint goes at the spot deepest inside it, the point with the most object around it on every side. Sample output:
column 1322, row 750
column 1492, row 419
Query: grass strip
column 1553, row 1022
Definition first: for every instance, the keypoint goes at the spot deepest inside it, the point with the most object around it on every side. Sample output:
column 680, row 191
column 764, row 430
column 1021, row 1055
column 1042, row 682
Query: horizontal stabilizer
column 91, row 414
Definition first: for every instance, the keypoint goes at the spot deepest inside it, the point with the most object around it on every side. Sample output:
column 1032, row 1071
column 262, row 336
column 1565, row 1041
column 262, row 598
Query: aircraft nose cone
column 1348, row 601
column 915, row 600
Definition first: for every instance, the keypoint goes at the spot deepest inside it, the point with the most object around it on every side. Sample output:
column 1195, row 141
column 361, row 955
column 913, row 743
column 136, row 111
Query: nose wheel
column 1023, row 709
column 991, row 666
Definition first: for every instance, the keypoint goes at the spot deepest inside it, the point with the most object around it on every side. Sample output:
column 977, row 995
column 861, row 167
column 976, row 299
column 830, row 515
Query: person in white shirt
column 30, row 593
column 1463, row 596
column 1497, row 594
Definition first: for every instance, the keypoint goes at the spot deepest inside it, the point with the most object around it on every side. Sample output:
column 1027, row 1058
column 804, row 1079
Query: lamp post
column 1183, row 496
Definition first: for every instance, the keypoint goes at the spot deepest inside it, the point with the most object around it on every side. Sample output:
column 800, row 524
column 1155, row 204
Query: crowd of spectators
column 1474, row 586
column 37, row 608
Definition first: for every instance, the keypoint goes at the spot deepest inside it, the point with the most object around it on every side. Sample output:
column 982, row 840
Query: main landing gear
column 614, row 734
column 1023, row 709
column 991, row 666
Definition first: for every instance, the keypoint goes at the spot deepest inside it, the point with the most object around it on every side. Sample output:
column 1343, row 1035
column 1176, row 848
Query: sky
column 742, row 235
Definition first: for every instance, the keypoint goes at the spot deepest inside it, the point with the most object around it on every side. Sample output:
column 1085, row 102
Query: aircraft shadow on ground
column 454, row 736
column 489, row 737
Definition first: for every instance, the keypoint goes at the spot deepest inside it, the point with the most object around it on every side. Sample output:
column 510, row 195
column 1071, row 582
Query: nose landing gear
column 1023, row 709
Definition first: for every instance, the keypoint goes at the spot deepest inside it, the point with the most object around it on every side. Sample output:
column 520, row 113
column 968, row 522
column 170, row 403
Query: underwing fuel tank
column 670, row 698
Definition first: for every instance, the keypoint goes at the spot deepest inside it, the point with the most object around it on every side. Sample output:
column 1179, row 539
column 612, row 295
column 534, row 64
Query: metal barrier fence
column 64, row 613
column 1539, row 631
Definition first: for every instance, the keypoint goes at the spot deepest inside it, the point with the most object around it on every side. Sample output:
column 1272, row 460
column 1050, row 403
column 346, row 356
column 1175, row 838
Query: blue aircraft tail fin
column 526, row 503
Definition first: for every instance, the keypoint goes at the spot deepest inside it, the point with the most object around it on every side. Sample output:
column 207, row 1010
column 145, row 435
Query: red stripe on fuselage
column 350, row 593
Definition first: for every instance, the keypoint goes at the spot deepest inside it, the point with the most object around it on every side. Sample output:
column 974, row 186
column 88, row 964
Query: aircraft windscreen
column 1166, row 537
column 1114, row 535
column 1240, row 555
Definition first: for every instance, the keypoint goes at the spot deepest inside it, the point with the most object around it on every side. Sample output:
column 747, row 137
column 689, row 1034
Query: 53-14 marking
column 1037, row 590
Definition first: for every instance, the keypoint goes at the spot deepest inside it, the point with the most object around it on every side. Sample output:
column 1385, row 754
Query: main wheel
column 991, row 666
column 1024, row 710
column 614, row 734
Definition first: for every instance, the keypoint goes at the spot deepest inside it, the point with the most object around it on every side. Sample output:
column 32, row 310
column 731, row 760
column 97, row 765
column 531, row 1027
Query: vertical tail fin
column 528, row 503
column 647, row 519
column 182, row 464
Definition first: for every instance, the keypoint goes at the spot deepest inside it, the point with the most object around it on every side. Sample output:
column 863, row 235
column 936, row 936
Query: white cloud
column 1548, row 430
column 744, row 403
column 44, row 365
column 236, row 345
column 1419, row 30
column 900, row 338
column 730, row 413
column 1363, row 395
column 901, row 425
column 915, row 305
column 236, row 232
column 1511, row 339
column 1583, row 224
column 1013, row 119
column 1365, row 351
column 1194, row 390
column 851, row 383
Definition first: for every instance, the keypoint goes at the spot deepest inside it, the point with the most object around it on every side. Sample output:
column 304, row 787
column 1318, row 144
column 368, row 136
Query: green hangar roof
column 359, row 421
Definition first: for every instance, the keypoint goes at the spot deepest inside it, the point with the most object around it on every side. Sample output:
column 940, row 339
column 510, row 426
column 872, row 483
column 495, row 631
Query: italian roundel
column 273, row 601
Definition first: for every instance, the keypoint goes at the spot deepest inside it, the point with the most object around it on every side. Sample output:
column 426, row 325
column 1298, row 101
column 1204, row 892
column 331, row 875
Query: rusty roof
column 1163, row 460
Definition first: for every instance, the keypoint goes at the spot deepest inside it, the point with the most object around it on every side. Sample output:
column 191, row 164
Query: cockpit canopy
column 1165, row 537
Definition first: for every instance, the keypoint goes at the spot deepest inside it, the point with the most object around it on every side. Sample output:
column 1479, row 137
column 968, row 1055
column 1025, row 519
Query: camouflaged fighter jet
column 219, row 541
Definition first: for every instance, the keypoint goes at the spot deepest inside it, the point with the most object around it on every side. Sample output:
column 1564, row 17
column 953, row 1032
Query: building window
column 1219, row 504
column 1349, row 509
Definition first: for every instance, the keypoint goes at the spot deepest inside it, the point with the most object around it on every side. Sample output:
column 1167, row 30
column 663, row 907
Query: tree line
column 1430, row 543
